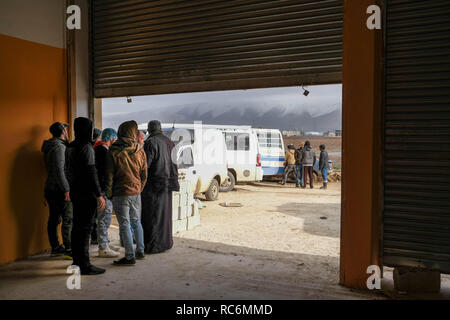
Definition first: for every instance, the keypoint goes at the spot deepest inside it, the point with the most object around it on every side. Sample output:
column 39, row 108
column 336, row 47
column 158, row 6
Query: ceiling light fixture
column 305, row 92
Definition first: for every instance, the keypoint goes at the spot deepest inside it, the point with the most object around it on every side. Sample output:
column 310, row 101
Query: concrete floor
column 191, row 270
column 274, row 247
column 283, row 243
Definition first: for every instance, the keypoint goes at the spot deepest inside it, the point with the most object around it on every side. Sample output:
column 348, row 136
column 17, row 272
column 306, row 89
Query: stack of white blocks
column 185, row 214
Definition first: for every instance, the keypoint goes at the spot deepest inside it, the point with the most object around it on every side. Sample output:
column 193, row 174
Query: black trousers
column 84, row 209
column 59, row 211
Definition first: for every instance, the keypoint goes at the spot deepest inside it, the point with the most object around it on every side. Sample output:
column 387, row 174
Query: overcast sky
column 322, row 99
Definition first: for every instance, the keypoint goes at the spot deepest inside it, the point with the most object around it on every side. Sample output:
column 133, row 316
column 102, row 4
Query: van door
column 186, row 166
column 239, row 155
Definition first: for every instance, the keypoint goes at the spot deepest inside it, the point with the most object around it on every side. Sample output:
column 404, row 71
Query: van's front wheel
column 213, row 191
column 228, row 184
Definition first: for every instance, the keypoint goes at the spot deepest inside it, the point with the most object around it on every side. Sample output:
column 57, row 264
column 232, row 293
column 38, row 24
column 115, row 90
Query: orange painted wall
column 361, row 149
column 32, row 96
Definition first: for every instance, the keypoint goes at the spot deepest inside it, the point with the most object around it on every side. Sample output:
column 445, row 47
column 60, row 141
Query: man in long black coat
column 157, row 194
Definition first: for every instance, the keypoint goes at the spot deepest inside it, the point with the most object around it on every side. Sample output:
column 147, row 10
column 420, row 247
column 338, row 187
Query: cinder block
column 183, row 186
column 182, row 212
column 414, row 280
column 190, row 199
column 179, row 225
column 193, row 221
column 175, row 213
column 183, row 199
column 175, row 199
column 195, row 209
column 189, row 211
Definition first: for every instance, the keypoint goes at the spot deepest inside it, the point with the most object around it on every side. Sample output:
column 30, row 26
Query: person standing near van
column 157, row 194
column 127, row 178
column 308, row 161
column 324, row 166
column 298, row 166
column 57, row 190
column 290, row 163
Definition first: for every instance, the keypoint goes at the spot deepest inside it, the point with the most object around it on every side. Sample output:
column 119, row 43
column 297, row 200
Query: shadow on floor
column 319, row 219
column 192, row 269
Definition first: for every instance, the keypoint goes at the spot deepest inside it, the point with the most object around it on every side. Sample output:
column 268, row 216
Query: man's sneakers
column 107, row 253
column 325, row 185
column 92, row 270
column 58, row 251
column 125, row 262
column 140, row 256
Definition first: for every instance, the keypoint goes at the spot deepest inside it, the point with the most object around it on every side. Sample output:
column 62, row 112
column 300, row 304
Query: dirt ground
column 279, row 219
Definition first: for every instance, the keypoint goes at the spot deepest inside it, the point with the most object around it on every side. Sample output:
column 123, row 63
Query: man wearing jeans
column 298, row 166
column 128, row 176
column 324, row 166
column 103, row 163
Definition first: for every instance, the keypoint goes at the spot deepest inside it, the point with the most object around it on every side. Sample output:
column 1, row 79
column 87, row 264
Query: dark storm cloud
column 255, row 107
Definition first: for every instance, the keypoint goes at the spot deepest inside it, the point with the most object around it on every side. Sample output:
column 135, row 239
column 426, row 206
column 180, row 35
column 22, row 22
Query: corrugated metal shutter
column 417, row 135
column 152, row 47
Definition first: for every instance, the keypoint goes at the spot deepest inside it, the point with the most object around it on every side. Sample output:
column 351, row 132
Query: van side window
column 270, row 140
column 237, row 141
column 186, row 159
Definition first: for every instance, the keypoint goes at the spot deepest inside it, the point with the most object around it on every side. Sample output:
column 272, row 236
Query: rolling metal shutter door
column 154, row 47
column 417, row 135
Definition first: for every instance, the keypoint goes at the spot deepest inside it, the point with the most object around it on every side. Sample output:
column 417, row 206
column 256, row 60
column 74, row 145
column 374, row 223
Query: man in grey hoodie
column 57, row 189
column 308, row 160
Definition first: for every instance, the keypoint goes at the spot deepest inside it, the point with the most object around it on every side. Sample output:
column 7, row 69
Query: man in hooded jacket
column 127, row 177
column 308, row 160
column 157, row 194
column 85, row 193
column 57, row 189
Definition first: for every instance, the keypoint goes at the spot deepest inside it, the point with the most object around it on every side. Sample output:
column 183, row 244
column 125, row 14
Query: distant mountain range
column 277, row 117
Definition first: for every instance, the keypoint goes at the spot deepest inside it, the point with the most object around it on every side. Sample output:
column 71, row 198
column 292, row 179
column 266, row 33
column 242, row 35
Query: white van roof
column 143, row 126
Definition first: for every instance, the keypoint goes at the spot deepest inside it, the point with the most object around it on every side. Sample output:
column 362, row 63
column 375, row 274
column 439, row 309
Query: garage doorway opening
column 280, row 231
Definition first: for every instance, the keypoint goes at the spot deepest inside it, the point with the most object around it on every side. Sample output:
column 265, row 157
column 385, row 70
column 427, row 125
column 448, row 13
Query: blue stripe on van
column 272, row 158
column 268, row 171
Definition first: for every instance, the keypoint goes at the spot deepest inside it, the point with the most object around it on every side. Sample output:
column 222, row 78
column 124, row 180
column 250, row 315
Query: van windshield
column 237, row 141
column 177, row 135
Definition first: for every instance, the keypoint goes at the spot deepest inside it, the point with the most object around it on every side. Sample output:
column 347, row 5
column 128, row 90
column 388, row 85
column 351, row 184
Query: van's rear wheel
column 228, row 184
column 213, row 191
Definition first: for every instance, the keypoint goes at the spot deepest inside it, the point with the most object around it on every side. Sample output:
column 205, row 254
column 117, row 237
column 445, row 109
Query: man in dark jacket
column 157, row 194
column 85, row 193
column 324, row 166
column 57, row 189
column 96, row 139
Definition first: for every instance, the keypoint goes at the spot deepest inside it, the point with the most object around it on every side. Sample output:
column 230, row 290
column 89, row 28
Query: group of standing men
column 88, row 180
column 301, row 161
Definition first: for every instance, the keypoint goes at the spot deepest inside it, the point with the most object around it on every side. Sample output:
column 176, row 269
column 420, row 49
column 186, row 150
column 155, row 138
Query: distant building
column 313, row 133
column 291, row 133
column 333, row 133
